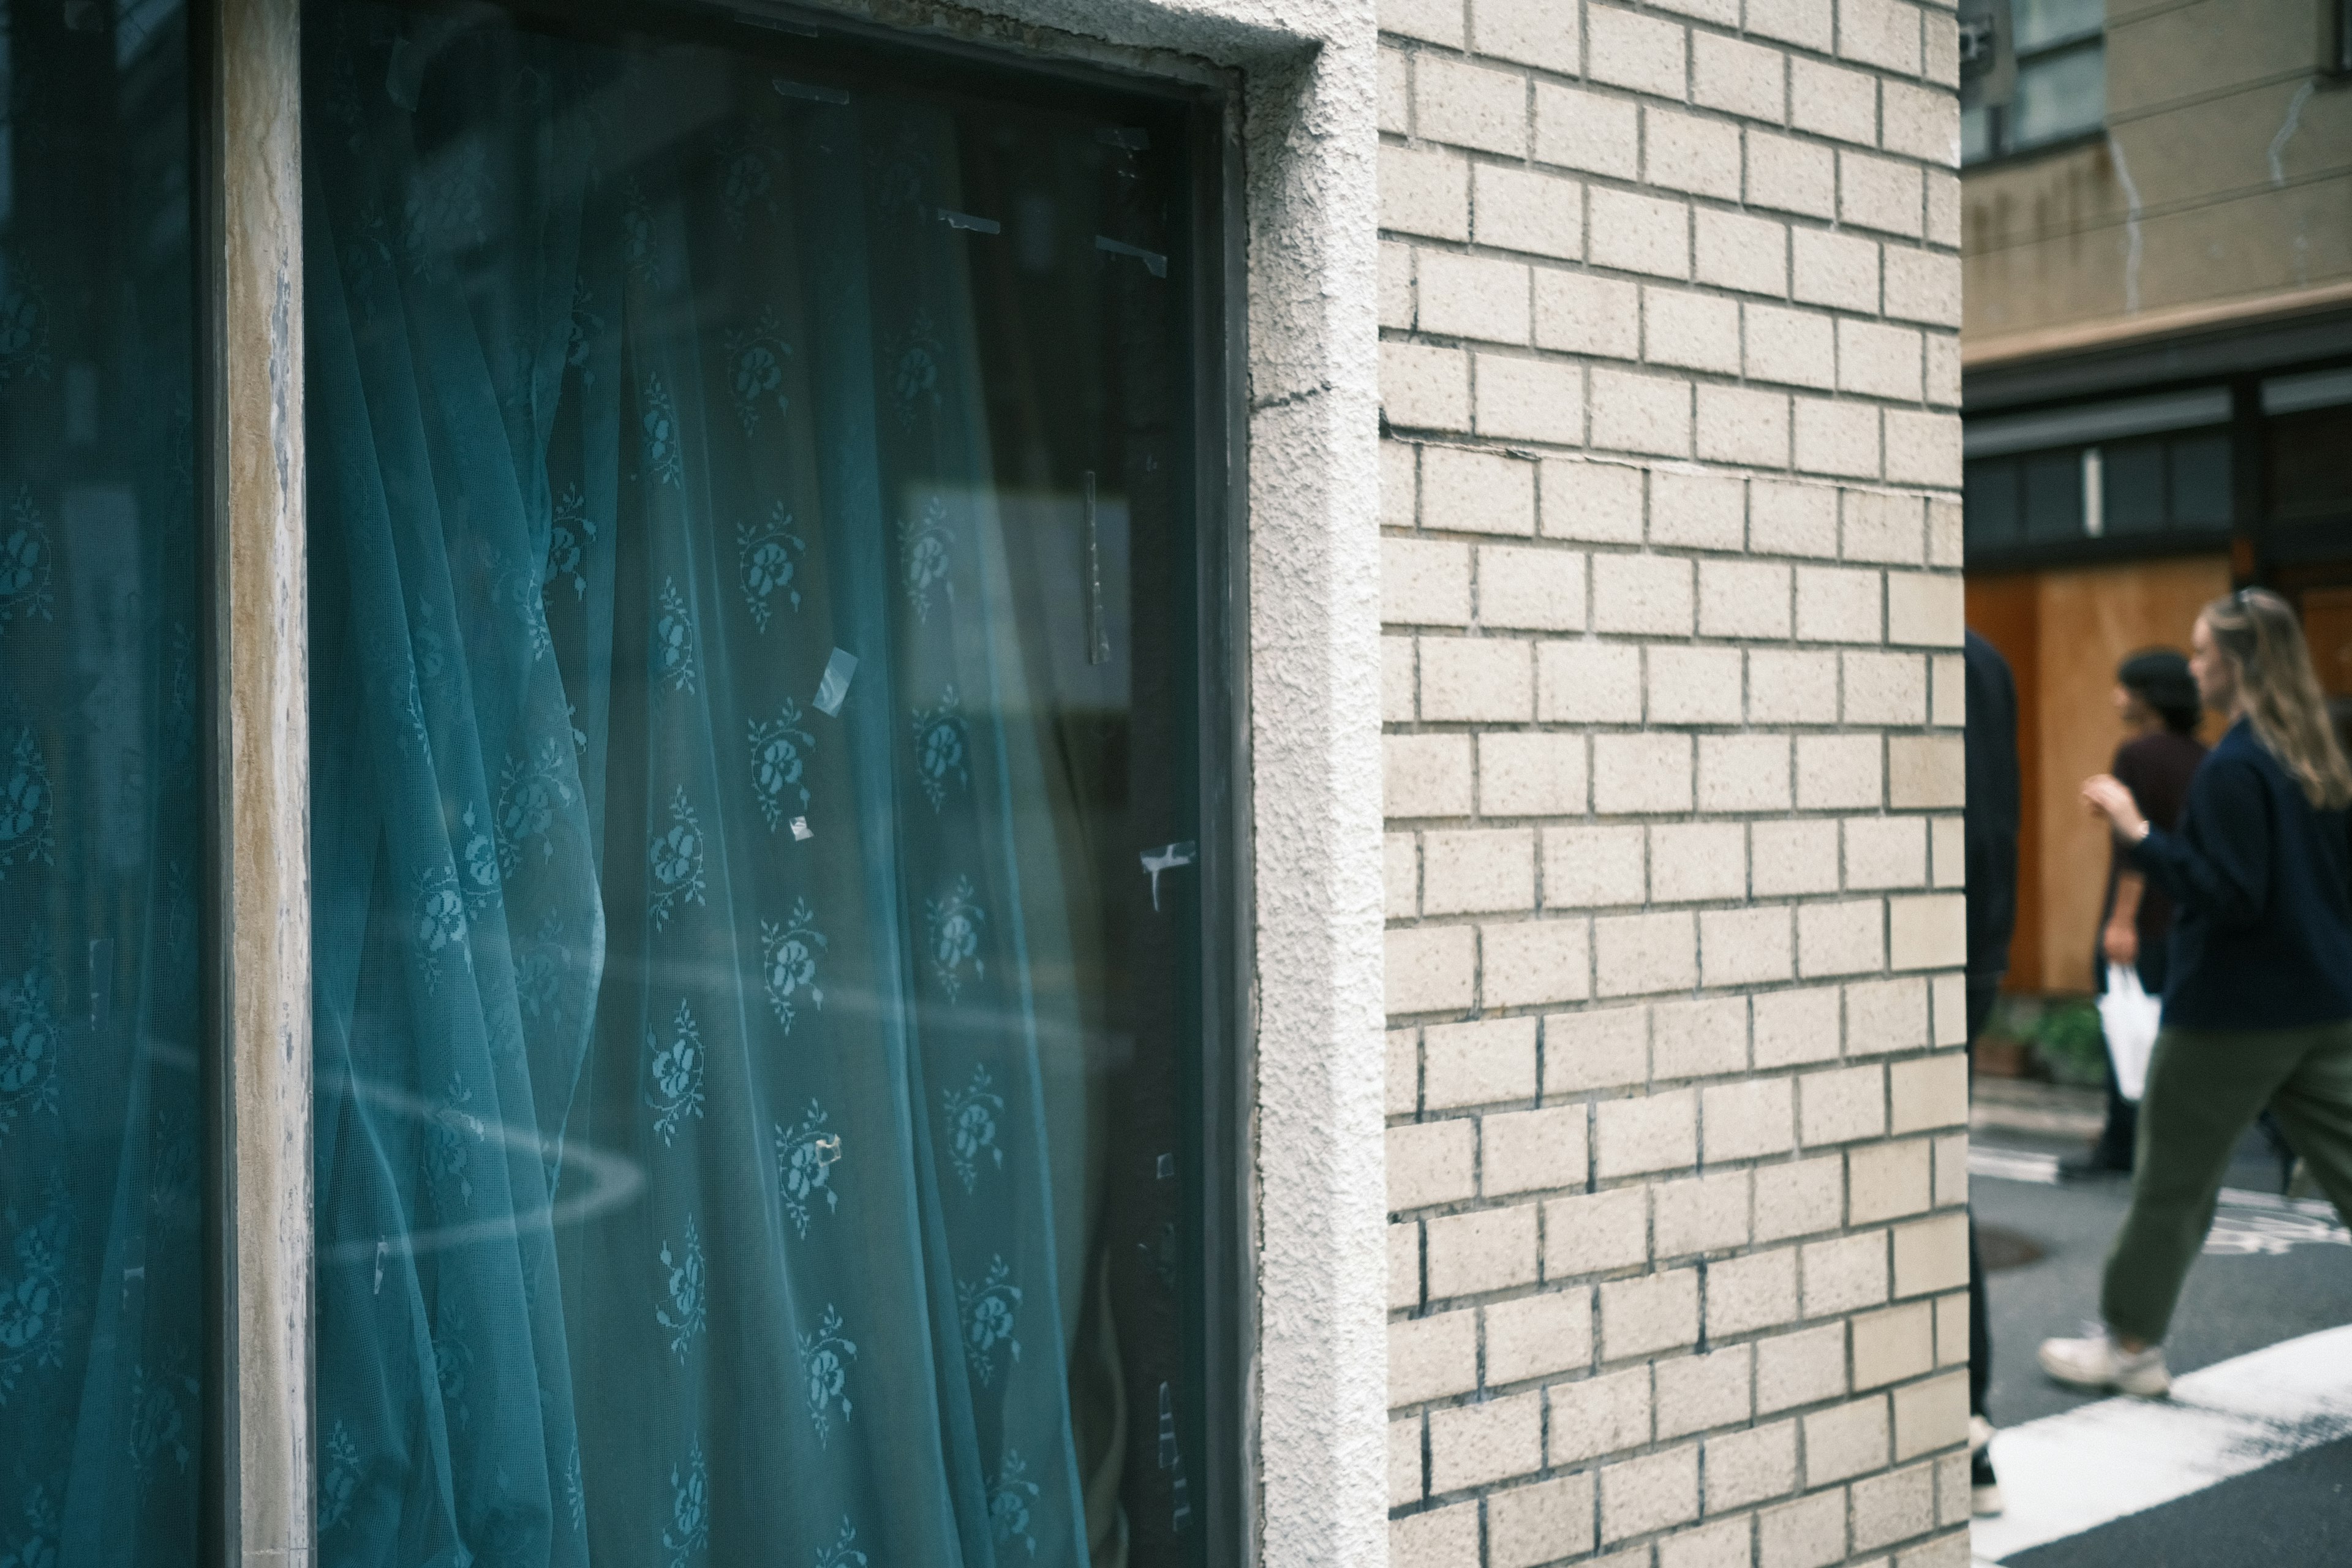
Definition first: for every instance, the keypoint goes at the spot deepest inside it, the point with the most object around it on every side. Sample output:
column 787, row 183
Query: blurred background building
column 2157, row 357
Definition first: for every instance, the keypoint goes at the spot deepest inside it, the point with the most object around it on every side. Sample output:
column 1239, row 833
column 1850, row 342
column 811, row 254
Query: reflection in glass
column 101, row 1313
column 755, row 849
column 2061, row 96
column 2037, row 24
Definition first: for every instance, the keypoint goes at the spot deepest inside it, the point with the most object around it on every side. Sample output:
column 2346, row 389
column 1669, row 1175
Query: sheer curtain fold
column 703, row 1116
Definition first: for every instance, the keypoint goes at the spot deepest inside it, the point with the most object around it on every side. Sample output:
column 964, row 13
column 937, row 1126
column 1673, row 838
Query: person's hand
column 2119, row 944
column 2107, row 796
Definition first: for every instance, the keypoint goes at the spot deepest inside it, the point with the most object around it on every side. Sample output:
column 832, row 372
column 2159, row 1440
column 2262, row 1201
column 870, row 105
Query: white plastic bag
column 2129, row 1015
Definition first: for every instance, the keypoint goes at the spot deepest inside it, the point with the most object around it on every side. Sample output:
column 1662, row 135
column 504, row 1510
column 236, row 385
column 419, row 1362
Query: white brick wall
column 1670, row 579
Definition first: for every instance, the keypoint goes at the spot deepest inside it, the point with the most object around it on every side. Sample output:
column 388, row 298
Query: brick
column 1399, row 484
column 1743, row 772
column 1524, row 209
column 1836, row 270
column 1431, row 968
column 1923, row 286
column 1878, row 360
column 1747, row 1121
column 1927, row 933
column 1797, row 348
column 1923, row 448
column 1800, row 857
column 1792, row 688
column 1424, row 192
column 1438, row 21
column 1803, row 1198
column 1535, row 1336
column 1785, row 174
column 1653, row 1492
column 1894, row 1345
column 1579, row 313
column 1837, row 438
column 1846, row 1441
column 1743, row 1467
column 1804, row 22
column 1721, row 1543
column 1707, row 1214
column 1587, row 130
column 1837, row 605
column 1484, row 1063
column 1877, row 526
column 1424, row 582
column 1890, row 1508
column 1886, row 852
column 1884, row 33
column 1429, row 1358
column 1884, row 1015
column 1930, row 1416
column 1640, row 954
column 1699, row 332
column 1647, row 414
column 1948, row 706
column 1403, row 1056
column 1733, row 250
column 1649, row 1313
column 1658, row 1131
column 1595, row 1234
column 1690, row 152
column 1645, row 53
column 1466, row 491
column 1950, row 996
column 1597, row 866
column 1474, row 679
column 1791, row 518
column 1693, row 685
column 1940, row 49
column 1931, row 1254
column 1952, row 1330
column 1884, row 688
column 1599, row 1416
column 1952, row 1498
column 1887, row 1181
column 1744, row 947
column 1400, row 875
column 1532, row 1524
column 1396, row 91
column 1442, row 1538
column 1807, row 1533
column 1426, row 387
column 1743, row 424
column 1928, row 1092
column 1537, row 31
column 1841, row 1275
column 1533, row 399
column 1697, row 511
column 1395, row 283
column 1923, row 608
column 1944, row 202
column 1526, row 1150
column 1470, row 106
column 1831, row 101
column 1952, row 1169
column 1602, row 1050
column 1538, row 590
column 1841, row 1105
column 1699, row 1039
column 1404, row 1266
column 1878, row 192
column 1474, row 1445
column 1474, row 296
column 1477, row 871
column 1743, row 599
column 1431, row 1162
column 1491, row 1249
column 1636, row 774
column 1836, row 771
column 1534, row 962
column 1426, row 775
column 1943, row 389
column 1530, row 775
column 1925, row 772
column 1757, row 1291
column 1740, row 78
column 1638, row 234
column 1404, row 1462
column 1800, row 1368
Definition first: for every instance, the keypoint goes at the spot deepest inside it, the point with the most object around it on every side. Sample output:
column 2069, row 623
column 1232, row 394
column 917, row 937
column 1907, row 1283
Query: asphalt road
column 2293, row 1275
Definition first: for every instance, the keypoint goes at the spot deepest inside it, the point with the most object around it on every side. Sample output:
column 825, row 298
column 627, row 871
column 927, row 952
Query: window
column 2148, row 488
column 2060, row 84
column 768, row 795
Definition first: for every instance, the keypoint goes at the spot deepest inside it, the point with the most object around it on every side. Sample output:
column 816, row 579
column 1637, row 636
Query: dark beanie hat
column 2162, row 679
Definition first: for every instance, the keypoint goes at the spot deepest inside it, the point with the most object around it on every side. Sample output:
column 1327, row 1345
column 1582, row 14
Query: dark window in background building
column 2061, row 87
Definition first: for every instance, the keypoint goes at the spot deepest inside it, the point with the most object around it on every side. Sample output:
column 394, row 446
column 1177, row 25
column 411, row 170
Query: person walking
column 2258, row 1002
column 2155, row 698
column 1989, row 825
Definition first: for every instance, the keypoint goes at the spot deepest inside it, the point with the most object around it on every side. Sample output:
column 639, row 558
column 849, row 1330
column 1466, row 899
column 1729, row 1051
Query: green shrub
column 2070, row 1045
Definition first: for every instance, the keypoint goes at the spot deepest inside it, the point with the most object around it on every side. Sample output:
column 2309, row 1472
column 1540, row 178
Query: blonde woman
column 2258, row 1003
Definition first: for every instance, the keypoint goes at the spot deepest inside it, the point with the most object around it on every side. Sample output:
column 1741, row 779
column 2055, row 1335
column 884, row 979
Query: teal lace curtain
column 101, row 1313
column 703, row 1144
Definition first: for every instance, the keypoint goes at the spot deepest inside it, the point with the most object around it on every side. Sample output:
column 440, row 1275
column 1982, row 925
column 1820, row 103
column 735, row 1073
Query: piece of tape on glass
column 1134, row 138
column 1167, row 858
column 801, row 830
column 968, row 222
column 1153, row 262
column 787, row 88
column 835, row 684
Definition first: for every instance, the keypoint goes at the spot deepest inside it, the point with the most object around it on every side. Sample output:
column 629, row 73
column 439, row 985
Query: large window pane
column 2061, row 95
column 100, row 849
column 755, row 826
column 2037, row 24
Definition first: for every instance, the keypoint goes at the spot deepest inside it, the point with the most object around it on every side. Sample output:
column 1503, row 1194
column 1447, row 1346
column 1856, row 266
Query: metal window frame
column 259, row 1485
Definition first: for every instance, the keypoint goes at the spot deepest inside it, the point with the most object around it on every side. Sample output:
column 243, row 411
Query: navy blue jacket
column 2263, row 883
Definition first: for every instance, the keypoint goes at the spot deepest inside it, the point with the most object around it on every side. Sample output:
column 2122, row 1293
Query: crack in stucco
column 2292, row 123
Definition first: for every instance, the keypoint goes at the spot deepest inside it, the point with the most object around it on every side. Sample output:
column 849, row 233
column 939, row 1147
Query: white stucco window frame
column 1311, row 1415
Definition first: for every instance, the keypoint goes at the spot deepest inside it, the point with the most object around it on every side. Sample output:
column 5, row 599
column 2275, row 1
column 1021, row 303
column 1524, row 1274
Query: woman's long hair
column 2256, row 631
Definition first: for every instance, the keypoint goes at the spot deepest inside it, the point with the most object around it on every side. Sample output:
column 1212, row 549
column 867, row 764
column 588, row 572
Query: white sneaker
column 2097, row 1361
column 1984, row 1486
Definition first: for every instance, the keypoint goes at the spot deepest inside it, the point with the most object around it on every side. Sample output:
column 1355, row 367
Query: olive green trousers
column 2205, row 1087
